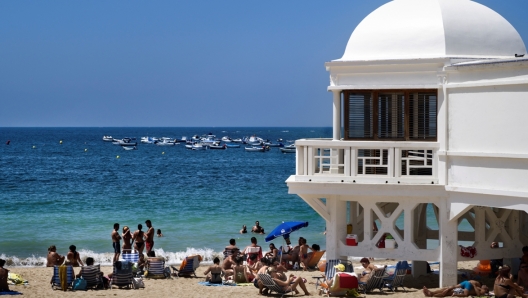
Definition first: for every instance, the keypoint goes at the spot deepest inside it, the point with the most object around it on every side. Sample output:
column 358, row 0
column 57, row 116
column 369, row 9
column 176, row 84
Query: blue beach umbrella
column 284, row 230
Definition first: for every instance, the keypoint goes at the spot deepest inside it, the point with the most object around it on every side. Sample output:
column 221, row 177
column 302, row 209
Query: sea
column 64, row 186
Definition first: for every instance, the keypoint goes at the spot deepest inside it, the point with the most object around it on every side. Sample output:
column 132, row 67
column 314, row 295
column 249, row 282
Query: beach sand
column 39, row 286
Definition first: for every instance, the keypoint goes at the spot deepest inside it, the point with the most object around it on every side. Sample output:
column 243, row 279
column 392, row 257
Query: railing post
column 390, row 162
column 311, row 166
column 397, row 162
column 346, row 162
column 353, row 162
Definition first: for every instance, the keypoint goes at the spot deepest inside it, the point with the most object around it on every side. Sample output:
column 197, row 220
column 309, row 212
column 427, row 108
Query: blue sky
column 178, row 63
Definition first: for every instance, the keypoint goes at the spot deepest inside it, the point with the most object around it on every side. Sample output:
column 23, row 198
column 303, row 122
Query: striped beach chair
column 155, row 267
column 188, row 266
column 67, row 279
column 130, row 256
column 269, row 283
column 122, row 275
column 329, row 271
column 92, row 275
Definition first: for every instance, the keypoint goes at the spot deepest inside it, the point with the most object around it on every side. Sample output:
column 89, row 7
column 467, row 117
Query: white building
column 430, row 102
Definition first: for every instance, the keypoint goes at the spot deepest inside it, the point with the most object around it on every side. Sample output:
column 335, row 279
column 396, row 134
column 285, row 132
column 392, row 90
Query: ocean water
column 73, row 193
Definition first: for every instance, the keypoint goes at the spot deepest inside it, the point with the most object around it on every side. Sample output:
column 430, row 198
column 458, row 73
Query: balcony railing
column 326, row 160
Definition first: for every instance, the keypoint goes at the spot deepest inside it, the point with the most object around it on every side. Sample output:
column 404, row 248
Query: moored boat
column 108, row 139
column 128, row 148
column 289, row 149
column 255, row 149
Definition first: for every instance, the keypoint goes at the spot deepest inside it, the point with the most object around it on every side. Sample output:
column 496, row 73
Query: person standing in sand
column 149, row 239
column 54, row 259
column 137, row 237
column 116, row 242
column 127, row 240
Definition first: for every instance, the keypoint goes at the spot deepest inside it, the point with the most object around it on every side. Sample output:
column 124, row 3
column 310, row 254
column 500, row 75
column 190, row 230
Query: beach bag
column 79, row 284
column 167, row 272
column 138, row 282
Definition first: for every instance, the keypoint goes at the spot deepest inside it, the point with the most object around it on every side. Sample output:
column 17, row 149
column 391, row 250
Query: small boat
column 108, row 139
column 127, row 142
column 148, row 140
column 233, row 145
column 255, row 149
column 198, row 146
column 165, row 142
column 128, row 148
column 270, row 144
column 218, row 146
column 289, row 149
column 239, row 140
column 226, row 139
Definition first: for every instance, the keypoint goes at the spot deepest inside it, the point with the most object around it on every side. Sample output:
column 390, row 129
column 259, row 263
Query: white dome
column 414, row 29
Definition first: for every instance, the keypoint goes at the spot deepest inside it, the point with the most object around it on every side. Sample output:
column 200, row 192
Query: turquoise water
column 72, row 193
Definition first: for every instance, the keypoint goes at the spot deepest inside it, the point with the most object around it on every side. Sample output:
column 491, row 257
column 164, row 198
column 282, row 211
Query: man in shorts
column 149, row 242
column 116, row 242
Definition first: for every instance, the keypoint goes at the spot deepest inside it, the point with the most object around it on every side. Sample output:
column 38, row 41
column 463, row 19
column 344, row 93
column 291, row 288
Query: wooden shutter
column 422, row 116
column 360, row 116
column 391, row 116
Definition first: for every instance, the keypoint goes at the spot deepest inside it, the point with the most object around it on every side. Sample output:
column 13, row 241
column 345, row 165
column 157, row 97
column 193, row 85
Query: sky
column 177, row 63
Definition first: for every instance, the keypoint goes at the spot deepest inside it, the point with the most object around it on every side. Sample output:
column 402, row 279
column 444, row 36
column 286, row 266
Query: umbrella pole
column 282, row 250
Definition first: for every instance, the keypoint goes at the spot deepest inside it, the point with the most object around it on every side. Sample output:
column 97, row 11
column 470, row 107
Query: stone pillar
column 337, row 115
column 448, row 246
column 336, row 227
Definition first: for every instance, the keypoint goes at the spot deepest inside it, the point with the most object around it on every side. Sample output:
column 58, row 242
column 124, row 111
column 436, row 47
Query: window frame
column 375, row 114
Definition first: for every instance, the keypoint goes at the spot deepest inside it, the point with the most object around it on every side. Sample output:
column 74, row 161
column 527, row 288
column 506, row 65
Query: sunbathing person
column 214, row 272
column 256, row 282
column 73, row 257
column 253, row 250
column 273, row 253
column 368, row 268
column 228, row 264
column 127, row 240
column 504, row 287
column 89, row 268
column 463, row 289
column 54, row 259
column 137, row 237
column 522, row 279
column 4, row 287
column 276, row 270
column 231, row 249
column 240, row 272
column 291, row 284
column 315, row 247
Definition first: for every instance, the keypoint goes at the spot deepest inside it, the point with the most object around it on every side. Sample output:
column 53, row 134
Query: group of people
column 139, row 239
column 255, row 229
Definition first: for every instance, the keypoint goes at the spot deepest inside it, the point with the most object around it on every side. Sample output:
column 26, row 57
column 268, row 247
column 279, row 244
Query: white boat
column 165, row 143
column 198, row 146
column 233, row 145
column 148, row 140
column 226, row 139
column 255, row 149
column 239, row 140
column 289, row 149
column 126, row 142
column 108, row 139
column 128, row 148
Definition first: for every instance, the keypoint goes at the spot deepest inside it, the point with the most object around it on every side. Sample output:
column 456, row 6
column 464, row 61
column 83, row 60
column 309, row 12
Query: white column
column 337, row 115
column 336, row 227
column 449, row 249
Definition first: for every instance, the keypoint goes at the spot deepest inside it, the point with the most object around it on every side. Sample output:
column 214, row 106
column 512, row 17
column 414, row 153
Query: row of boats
column 252, row 144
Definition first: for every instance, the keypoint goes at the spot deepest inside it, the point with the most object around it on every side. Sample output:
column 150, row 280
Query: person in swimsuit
column 522, row 279
column 149, row 239
column 504, row 287
column 239, row 271
column 137, row 237
column 273, row 253
column 257, row 228
column 463, row 289
column 4, row 287
column 253, row 250
column 116, row 242
column 214, row 272
column 73, row 257
column 303, row 253
column 127, row 240
column 159, row 233
column 243, row 230
column 368, row 268
column 54, row 259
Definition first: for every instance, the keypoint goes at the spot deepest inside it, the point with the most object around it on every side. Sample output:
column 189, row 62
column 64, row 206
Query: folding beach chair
column 329, row 271
column 269, row 283
column 314, row 260
column 155, row 268
column 395, row 281
column 122, row 275
column 188, row 266
column 93, row 277
column 375, row 281
column 67, row 277
column 132, row 257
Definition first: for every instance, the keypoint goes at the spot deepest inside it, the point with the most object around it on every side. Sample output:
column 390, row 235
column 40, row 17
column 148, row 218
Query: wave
column 105, row 259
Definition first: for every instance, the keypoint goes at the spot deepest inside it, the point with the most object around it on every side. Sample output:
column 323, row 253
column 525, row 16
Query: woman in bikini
column 137, row 237
column 213, row 273
column 504, row 287
column 240, row 271
column 73, row 257
column 54, row 259
column 365, row 275
column 127, row 240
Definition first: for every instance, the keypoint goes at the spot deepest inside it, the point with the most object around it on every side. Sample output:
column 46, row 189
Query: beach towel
column 468, row 252
column 10, row 293
column 63, row 277
column 206, row 283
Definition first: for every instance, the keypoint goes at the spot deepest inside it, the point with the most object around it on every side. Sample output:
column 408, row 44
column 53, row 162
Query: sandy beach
column 39, row 277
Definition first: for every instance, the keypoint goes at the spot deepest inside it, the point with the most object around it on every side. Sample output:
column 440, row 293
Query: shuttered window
column 360, row 116
column 391, row 115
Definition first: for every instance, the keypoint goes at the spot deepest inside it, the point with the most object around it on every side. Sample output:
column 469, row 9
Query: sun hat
column 340, row 267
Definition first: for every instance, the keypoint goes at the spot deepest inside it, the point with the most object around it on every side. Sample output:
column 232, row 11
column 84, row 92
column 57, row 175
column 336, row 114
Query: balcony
column 325, row 160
